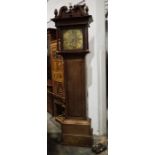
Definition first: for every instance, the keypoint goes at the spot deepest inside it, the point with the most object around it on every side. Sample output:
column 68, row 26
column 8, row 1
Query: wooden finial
column 87, row 9
column 56, row 12
column 70, row 6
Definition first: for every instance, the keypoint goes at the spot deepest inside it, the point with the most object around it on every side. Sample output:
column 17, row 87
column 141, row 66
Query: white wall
column 95, row 60
column 101, row 64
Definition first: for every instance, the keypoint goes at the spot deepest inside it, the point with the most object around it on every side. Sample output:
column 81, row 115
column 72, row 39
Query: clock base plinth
column 77, row 140
column 76, row 132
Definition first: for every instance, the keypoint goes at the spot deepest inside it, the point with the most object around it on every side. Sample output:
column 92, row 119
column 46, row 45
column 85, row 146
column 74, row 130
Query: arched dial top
column 72, row 39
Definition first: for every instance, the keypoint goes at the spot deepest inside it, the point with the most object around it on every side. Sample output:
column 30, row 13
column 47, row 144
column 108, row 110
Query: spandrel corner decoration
column 72, row 25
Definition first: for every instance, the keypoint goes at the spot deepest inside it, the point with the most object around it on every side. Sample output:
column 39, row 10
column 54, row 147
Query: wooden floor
column 55, row 148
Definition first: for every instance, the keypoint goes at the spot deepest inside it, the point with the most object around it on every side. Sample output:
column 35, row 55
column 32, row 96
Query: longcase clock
column 72, row 26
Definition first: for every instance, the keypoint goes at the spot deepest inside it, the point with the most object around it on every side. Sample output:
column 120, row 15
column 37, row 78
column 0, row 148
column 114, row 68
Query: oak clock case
column 72, row 26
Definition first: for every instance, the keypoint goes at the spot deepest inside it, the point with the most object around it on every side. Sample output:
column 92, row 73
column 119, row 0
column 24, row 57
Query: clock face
column 72, row 39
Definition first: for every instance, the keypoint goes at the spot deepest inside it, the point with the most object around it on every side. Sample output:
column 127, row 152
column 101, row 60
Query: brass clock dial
column 72, row 39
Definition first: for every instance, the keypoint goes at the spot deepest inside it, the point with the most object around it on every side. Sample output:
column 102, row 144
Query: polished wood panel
column 75, row 88
column 81, row 140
